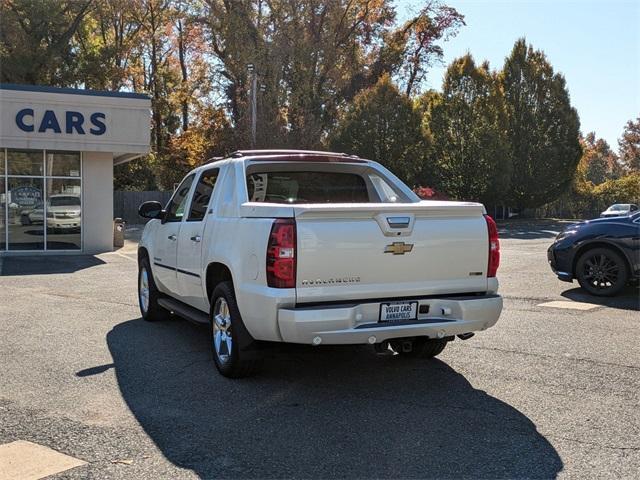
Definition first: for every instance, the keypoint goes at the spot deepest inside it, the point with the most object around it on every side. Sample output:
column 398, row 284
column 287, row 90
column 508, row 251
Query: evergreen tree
column 467, row 123
column 543, row 128
column 382, row 125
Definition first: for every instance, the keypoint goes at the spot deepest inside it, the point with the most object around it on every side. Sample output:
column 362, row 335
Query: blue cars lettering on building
column 72, row 122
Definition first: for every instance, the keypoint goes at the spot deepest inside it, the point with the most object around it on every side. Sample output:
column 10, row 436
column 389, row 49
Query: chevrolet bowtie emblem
column 398, row 248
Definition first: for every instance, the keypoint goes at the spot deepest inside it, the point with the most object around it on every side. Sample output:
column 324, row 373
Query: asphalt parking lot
column 548, row 392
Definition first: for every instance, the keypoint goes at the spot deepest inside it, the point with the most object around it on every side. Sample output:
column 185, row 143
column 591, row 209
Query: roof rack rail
column 307, row 155
column 284, row 151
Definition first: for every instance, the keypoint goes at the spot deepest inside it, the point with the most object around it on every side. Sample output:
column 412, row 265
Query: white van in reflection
column 63, row 213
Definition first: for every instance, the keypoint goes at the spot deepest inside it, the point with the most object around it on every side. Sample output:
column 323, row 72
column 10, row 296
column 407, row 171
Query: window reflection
column 63, row 164
column 26, row 213
column 64, row 211
column 25, row 162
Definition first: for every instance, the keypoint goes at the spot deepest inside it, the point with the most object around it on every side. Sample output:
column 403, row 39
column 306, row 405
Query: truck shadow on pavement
column 319, row 413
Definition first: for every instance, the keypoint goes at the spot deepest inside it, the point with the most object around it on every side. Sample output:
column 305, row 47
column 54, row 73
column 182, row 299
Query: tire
column 148, row 294
column 229, row 335
column 602, row 272
column 425, row 348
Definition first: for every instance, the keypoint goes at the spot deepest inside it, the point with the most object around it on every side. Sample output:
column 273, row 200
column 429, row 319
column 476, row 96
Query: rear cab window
column 296, row 183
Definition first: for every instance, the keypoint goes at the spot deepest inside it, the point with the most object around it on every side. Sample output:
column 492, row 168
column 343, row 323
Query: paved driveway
column 547, row 392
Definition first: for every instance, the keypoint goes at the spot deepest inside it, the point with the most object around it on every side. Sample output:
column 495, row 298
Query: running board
column 183, row 310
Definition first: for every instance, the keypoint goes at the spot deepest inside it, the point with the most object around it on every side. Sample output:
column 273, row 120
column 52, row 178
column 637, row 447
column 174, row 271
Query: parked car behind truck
column 602, row 254
column 316, row 248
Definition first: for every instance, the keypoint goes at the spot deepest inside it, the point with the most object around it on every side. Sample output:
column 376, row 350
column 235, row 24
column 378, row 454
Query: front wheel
column 601, row 272
column 226, row 331
column 148, row 294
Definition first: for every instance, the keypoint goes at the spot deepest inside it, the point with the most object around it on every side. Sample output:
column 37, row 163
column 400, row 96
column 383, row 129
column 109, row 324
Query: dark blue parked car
column 602, row 254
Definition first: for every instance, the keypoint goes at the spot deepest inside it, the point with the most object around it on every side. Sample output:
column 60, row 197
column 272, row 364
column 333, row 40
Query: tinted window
column 64, row 201
column 619, row 208
column 176, row 207
column 202, row 195
column 307, row 187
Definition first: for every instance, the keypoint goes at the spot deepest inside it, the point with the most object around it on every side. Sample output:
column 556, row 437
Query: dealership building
column 58, row 147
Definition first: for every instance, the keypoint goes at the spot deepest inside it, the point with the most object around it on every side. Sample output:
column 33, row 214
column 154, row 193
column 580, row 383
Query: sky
column 594, row 44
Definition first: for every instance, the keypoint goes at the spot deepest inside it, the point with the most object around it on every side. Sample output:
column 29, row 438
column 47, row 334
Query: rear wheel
column 226, row 335
column 148, row 294
column 425, row 348
column 601, row 272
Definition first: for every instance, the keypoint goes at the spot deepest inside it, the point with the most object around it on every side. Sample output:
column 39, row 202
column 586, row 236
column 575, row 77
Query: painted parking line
column 22, row 460
column 569, row 305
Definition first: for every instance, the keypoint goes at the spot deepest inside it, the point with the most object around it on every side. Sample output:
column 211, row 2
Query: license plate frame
column 401, row 315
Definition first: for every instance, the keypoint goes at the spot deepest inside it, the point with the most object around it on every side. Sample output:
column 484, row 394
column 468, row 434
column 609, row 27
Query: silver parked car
column 619, row 210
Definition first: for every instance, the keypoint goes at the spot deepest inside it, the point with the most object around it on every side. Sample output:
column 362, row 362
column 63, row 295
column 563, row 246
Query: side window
column 202, row 195
column 177, row 204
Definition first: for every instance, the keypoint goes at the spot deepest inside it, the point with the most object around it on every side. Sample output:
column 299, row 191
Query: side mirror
column 150, row 209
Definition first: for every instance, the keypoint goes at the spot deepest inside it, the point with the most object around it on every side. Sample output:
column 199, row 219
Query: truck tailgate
column 368, row 251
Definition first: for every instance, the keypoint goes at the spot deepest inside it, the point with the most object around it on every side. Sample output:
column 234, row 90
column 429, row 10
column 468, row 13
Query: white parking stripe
column 22, row 460
column 569, row 305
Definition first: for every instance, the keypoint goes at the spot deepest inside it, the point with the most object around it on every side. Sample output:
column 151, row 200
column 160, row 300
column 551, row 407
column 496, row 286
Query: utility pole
column 254, row 102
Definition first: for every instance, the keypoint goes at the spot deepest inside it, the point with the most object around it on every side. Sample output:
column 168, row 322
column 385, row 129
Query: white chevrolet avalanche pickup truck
column 316, row 248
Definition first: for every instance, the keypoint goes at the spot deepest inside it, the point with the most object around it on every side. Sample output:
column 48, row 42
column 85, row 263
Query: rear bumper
column 358, row 323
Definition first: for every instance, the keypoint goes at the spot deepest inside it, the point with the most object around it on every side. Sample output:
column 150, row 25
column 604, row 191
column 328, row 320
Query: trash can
column 118, row 233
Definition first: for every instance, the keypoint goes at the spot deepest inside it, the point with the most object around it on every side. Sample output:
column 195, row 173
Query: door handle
column 398, row 222
column 172, row 238
column 197, row 238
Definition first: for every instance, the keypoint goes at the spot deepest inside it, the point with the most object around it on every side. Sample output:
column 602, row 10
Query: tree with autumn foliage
column 599, row 181
column 629, row 145
column 598, row 163
column 467, row 124
column 312, row 58
column 192, row 56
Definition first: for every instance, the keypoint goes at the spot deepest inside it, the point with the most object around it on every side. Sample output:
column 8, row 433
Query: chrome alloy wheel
column 222, row 339
column 143, row 290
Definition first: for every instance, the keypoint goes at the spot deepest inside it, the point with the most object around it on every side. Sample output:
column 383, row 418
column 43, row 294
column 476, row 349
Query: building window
column 3, row 209
column 40, row 200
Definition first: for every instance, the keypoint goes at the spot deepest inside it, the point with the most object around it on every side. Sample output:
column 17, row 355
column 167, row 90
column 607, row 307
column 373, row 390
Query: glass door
column 40, row 200
column 26, row 213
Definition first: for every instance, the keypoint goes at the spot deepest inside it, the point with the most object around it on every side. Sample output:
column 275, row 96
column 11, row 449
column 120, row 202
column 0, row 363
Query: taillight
column 494, row 247
column 281, row 254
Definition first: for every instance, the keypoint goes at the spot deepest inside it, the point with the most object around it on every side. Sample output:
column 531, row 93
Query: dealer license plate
column 398, row 311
